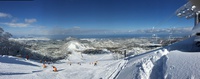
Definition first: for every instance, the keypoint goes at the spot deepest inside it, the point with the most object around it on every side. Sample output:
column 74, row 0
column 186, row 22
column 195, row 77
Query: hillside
column 176, row 61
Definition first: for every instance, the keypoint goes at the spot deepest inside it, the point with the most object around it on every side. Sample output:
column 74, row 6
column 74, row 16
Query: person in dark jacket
column 27, row 57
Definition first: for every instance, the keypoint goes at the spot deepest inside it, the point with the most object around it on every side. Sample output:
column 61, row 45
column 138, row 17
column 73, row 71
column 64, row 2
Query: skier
column 70, row 63
column 55, row 69
column 27, row 57
column 79, row 63
column 44, row 66
column 40, row 61
column 95, row 63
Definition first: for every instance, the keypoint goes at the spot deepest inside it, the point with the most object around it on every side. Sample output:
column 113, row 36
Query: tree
column 7, row 35
column 4, row 35
column 1, row 30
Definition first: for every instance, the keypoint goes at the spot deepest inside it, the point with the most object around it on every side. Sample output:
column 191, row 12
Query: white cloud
column 5, row 15
column 34, row 30
column 76, row 27
column 75, row 31
column 167, row 30
column 30, row 20
column 16, row 24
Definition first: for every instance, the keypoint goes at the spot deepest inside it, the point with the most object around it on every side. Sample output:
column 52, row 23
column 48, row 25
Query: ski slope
column 19, row 68
column 177, row 61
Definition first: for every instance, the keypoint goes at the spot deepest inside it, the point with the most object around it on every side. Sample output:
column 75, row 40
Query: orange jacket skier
column 44, row 66
column 55, row 69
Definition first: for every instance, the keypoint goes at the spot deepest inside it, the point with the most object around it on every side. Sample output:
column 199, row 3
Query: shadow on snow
column 14, row 61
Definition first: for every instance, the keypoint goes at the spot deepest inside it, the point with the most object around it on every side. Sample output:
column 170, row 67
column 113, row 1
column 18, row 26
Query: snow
column 75, row 45
column 183, row 65
column 55, row 50
column 142, row 66
column 28, row 39
column 176, row 61
column 13, row 67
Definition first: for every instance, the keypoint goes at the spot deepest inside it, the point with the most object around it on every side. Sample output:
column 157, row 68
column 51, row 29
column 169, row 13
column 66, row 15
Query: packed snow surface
column 19, row 68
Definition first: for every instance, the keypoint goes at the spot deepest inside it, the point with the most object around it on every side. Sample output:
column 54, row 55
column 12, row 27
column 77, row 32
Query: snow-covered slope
column 19, row 68
column 177, row 61
column 183, row 65
column 187, row 45
column 75, row 46
column 145, row 66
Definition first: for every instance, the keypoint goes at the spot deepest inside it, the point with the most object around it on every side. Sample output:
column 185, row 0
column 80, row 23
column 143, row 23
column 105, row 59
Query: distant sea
column 61, row 37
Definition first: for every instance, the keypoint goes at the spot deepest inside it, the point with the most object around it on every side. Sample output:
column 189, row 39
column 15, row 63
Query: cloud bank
column 11, row 24
column 75, row 31
column 5, row 15
column 29, row 21
column 168, row 30
column 14, row 23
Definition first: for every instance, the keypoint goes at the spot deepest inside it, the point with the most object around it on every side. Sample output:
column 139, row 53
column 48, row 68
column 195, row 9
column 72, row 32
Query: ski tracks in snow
column 147, row 66
column 116, row 71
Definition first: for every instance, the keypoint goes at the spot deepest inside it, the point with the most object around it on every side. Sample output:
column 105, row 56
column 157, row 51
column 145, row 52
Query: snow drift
column 176, row 61
column 145, row 66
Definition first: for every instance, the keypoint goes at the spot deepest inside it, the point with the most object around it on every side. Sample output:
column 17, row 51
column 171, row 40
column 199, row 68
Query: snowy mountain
column 75, row 45
column 46, row 49
column 177, row 61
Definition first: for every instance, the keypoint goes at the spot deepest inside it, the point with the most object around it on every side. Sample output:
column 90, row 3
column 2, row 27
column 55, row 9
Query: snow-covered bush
column 8, row 47
column 4, row 35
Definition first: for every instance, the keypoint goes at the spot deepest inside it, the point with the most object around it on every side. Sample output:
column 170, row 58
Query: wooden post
column 124, row 53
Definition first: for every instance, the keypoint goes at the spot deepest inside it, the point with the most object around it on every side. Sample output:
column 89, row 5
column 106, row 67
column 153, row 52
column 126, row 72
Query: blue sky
column 89, row 16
